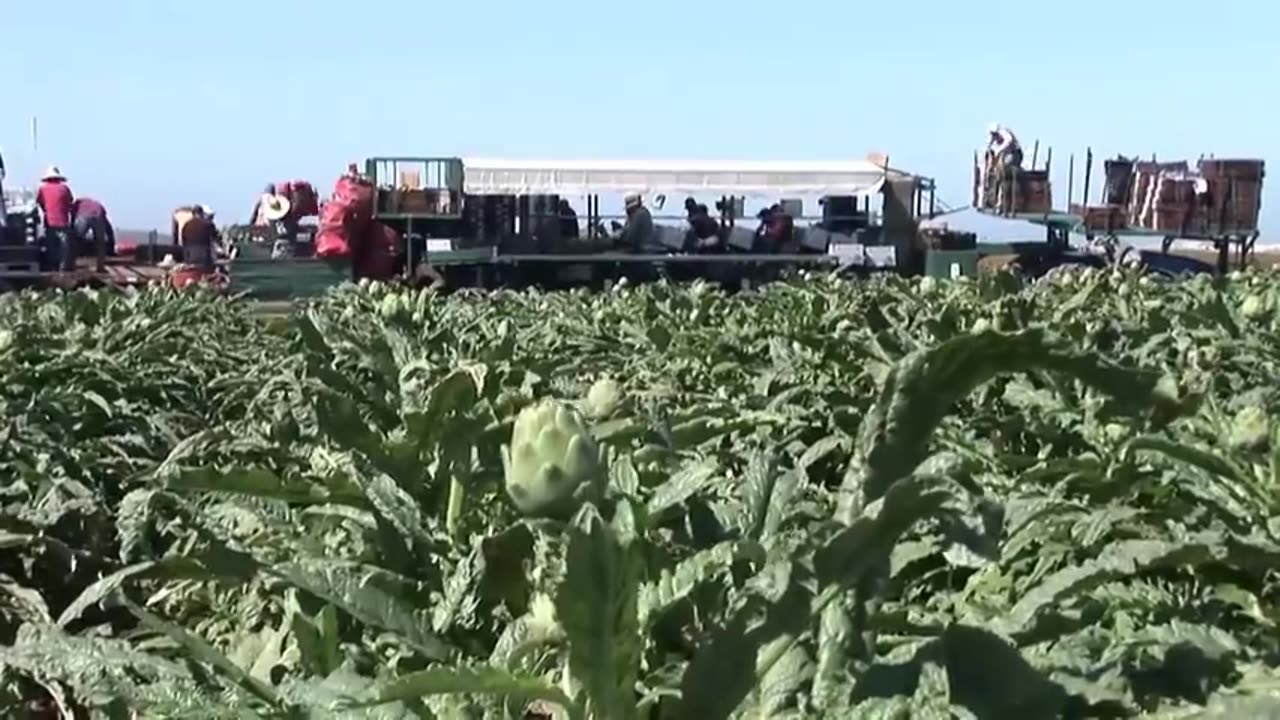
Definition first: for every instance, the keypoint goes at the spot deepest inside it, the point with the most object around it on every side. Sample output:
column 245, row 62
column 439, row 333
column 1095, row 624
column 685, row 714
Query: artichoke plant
column 552, row 463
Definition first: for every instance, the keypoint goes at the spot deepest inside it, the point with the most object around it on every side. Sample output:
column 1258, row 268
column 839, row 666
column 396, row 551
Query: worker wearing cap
column 637, row 234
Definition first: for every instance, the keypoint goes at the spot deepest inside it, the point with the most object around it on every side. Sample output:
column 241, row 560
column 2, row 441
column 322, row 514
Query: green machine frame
column 419, row 197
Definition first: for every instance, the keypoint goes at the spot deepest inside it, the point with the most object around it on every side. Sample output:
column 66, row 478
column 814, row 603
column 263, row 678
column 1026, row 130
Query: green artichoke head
column 1253, row 307
column 552, row 463
column 604, row 397
column 1250, row 430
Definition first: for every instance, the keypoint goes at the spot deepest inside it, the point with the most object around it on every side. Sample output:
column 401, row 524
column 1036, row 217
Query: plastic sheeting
column 578, row 177
column 378, row 248
column 346, row 219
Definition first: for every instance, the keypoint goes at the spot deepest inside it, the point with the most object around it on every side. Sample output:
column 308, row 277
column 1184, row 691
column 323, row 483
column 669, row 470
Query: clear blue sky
column 148, row 104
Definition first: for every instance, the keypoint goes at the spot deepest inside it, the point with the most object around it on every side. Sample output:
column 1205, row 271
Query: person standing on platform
column 56, row 201
column 1004, row 161
column 199, row 237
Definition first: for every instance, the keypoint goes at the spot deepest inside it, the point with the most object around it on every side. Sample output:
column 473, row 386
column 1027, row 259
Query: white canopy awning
column 581, row 177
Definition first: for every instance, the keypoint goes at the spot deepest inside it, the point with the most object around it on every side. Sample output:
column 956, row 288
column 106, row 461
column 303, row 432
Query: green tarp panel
column 256, row 273
column 951, row 264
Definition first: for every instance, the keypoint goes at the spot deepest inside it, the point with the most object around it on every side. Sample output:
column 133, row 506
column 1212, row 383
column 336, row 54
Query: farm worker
column 1004, row 146
column 1004, row 159
column 568, row 221
column 55, row 200
column 255, row 214
column 89, row 219
column 704, row 231
column 762, row 230
column 780, row 229
column 638, row 232
column 274, row 211
column 181, row 216
column 198, row 236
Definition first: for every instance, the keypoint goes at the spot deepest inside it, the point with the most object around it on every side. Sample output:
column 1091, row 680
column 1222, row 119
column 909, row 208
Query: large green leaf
column 597, row 606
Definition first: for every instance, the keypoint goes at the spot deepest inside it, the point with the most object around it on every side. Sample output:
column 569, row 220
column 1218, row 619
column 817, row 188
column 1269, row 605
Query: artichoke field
column 830, row 499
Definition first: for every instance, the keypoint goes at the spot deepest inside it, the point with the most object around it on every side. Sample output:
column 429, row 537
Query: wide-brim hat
column 53, row 173
column 275, row 207
column 631, row 199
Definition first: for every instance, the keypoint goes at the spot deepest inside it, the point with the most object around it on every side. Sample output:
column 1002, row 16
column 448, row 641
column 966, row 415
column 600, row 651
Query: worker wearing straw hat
column 274, row 213
column 56, row 202
column 270, row 208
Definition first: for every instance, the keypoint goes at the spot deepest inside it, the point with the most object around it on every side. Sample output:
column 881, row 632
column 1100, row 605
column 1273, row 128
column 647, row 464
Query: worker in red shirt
column 199, row 238
column 89, row 218
column 56, row 202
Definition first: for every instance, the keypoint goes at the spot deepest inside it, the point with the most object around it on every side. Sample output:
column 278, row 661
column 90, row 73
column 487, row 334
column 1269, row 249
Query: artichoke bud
column 1253, row 307
column 604, row 398
column 552, row 463
column 1250, row 430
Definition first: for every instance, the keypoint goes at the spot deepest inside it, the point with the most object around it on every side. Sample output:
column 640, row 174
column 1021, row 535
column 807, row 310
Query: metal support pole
column 1071, row 180
column 1088, row 174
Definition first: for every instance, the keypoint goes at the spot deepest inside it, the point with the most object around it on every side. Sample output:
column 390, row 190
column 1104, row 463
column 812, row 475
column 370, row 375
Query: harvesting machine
column 493, row 222
column 480, row 222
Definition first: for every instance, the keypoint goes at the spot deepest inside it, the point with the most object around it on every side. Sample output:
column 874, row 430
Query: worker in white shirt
column 1004, row 146
column 1004, row 158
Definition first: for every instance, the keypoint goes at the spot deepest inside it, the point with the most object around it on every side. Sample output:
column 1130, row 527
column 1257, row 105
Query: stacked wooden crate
column 1034, row 192
column 1101, row 218
column 1220, row 197
column 1160, row 198
column 1235, row 189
